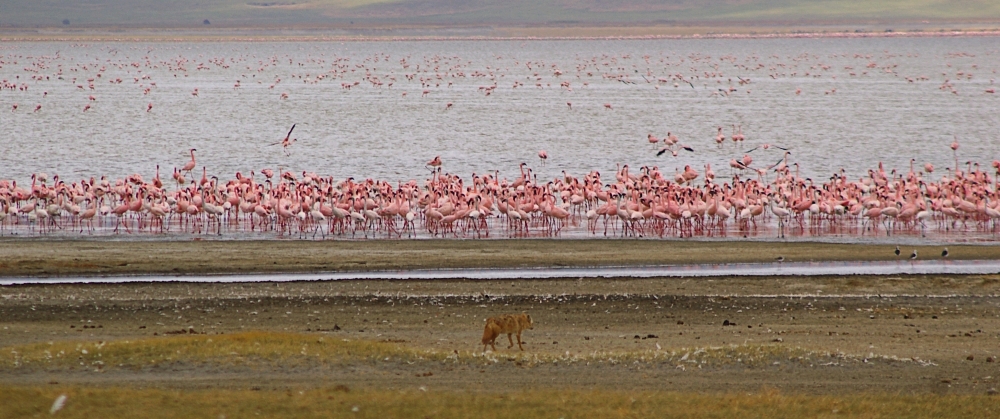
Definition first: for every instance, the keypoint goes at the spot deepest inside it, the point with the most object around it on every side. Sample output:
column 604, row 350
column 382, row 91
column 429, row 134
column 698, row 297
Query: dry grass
column 84, row 402
column 242, row 348
column 305, row 401
column 291, row 349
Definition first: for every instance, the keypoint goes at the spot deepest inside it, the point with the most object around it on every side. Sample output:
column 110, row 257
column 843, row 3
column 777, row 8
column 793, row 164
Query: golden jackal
column 509, row 324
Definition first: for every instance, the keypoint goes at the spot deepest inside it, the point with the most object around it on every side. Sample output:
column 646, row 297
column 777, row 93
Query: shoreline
column 500, row 34
column 46, row 258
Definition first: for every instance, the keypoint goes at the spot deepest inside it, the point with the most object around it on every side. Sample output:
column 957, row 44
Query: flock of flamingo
column 640, row 203
column 437, row 72
column 634, row 202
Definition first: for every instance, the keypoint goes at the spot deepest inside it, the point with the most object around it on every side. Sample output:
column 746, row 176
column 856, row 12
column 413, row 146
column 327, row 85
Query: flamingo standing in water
column 954, row 151
column 782, row 215
column 542, row 155
column 189, row 166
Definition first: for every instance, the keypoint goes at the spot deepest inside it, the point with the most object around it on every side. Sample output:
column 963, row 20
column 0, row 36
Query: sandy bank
column 29, row 257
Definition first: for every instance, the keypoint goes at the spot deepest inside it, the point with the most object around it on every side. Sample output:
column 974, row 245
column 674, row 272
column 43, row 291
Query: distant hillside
column 338, row 13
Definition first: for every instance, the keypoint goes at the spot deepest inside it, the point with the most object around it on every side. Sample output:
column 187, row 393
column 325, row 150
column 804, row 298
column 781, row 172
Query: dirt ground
column 40, row 257
column 908, row 334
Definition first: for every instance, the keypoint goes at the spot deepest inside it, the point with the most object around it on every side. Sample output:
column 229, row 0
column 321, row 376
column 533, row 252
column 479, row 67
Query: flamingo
column 189, row 166
column 287, row 141
column 954, row 150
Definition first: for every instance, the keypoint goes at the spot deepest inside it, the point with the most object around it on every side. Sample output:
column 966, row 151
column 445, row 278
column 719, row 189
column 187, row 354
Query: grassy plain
column 336, row 402
column 256, row 350
column 854, row 346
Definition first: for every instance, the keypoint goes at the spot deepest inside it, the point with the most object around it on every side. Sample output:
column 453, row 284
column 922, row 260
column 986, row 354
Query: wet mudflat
column 28, row 257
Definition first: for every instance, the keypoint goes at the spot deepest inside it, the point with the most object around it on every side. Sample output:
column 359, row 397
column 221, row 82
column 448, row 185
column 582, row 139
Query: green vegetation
column 345, row 13
column 339, row 401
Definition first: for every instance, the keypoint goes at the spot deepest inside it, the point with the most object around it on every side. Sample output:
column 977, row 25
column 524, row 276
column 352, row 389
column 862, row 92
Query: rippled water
column 875, row 115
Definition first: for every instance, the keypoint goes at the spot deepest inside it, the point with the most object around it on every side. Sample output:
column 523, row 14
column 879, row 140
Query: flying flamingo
column 287, row 141
column 435, row 162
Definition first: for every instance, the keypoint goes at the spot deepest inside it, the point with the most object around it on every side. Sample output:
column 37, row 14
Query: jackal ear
column 529, row 317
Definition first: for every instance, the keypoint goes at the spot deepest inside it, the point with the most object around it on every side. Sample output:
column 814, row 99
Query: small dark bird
column 897, row 250
column 944, row 253
column 913, row 255
column 780, row 258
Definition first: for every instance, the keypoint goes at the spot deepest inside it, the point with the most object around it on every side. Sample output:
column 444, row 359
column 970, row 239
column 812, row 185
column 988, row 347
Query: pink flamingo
column 189, row 166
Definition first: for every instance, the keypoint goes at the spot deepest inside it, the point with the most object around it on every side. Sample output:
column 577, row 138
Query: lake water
column 838, row 120
column 922, row 267
column 383, row 109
